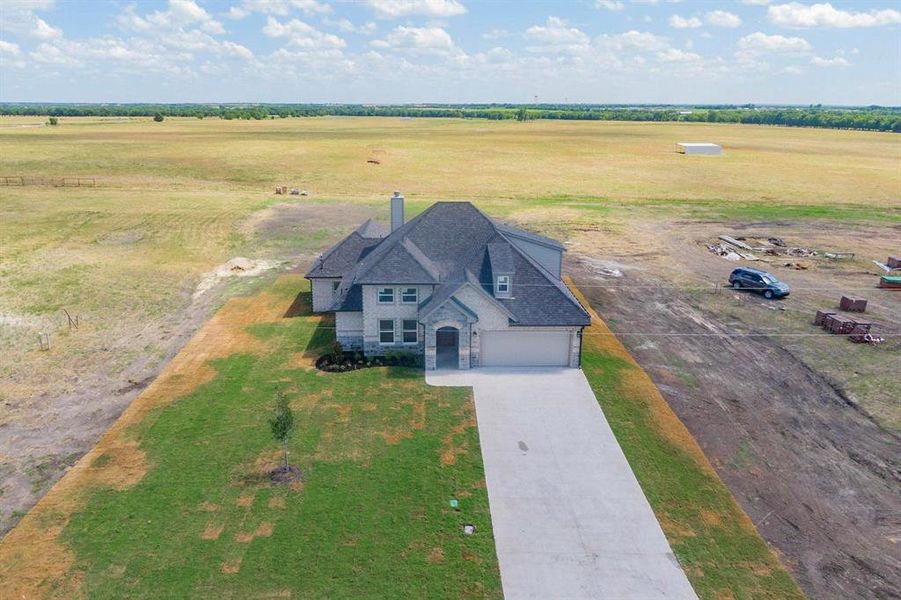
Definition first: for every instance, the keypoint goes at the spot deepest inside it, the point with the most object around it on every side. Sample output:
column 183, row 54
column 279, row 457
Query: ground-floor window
column 386, row 331
column 410, row 331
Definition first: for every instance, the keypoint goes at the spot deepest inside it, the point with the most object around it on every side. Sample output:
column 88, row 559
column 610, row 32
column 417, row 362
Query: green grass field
column 381, row 455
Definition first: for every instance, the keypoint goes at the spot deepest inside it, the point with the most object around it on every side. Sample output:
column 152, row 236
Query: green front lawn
column 381, row 455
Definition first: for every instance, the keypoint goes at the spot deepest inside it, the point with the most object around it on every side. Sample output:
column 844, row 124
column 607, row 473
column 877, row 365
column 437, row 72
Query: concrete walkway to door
column 569, row 518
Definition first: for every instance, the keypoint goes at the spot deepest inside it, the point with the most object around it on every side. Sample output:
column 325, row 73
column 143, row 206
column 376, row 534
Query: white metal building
column 699, row 148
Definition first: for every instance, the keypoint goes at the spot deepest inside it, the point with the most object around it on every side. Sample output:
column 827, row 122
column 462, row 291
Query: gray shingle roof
column 528, row 235
column 500, row 258
column 452, row 242
column 345, row 255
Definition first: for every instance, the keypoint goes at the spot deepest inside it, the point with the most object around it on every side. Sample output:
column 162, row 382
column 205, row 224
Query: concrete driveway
column 569, row 518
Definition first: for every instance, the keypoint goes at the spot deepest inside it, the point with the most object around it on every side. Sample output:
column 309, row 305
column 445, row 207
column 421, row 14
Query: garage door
column 525, row 349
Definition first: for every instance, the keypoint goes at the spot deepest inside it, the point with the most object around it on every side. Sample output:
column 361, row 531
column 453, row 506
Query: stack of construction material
column 894, row 262
column 840, row 324
column 853, row 304
column 890, row 282
column 821, row 317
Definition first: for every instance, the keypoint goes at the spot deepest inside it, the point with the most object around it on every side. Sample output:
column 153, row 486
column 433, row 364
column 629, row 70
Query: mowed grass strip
column 381, row 455
column 715, row 541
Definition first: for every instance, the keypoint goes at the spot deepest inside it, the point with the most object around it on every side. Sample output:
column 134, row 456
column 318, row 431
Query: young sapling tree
column 282, row 424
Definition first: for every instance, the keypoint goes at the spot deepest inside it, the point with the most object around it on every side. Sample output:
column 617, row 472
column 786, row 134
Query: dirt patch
column 230, row 567
column 245, row 501
column 276, row 502
column 435, row 556
column 236, row 267
column 263, row 530
column 814, row 473
column 297, row 219
column 244, row 537
column 212, row 532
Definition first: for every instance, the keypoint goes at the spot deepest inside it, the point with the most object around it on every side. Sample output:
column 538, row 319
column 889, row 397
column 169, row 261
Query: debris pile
column 282, row 190
column 738, row 248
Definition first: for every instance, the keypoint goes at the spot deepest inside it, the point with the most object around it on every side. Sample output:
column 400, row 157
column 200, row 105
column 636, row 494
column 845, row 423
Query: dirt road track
column 820, row 480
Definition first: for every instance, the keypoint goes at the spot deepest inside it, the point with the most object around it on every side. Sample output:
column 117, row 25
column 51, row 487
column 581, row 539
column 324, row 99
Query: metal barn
column 705, row 148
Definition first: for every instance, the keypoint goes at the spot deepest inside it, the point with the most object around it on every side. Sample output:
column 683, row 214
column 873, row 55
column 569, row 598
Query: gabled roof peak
column 371, row 230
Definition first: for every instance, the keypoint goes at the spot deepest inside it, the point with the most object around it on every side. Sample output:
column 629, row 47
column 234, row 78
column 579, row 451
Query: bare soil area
column 765, row 392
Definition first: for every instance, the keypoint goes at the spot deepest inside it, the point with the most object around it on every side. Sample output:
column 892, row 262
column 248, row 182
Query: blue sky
column 600, row 51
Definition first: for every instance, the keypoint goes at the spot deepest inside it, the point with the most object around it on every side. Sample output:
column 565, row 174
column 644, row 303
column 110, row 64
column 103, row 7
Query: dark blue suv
column 758, row 281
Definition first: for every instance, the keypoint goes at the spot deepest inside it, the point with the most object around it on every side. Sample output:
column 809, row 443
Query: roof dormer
column 500, row 259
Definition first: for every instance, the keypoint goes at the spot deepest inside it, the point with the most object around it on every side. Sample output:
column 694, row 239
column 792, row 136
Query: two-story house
column 453, row 285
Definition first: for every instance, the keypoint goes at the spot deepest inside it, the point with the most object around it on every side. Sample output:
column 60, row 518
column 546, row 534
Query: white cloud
column 838, row 61
column 557, row 36
column 348, row 26
column 674, row 55
column 178, row 15
column 721, row 18
column 825, row 15
column 637, row 41
column 302, row 35
column 756, row 2
column 43, row 31
column 392, row 9
column 684, row 22
column 761, row 43
column 281, row 8
column 432, row 40
column 792, row 70
column 19, row 17
column 9, row 48
column 495, row 34
column 614, row 5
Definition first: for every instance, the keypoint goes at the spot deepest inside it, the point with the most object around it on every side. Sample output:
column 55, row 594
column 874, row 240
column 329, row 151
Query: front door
column 447, row 347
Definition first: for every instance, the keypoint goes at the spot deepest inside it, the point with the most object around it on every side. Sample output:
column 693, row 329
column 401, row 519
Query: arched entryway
column 447, row 348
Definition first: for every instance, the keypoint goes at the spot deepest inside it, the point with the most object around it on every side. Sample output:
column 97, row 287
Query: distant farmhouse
column 452, row 285
column 699, row 148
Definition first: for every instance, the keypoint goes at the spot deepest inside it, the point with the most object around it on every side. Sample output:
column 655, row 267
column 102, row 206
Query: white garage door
column 525, row 349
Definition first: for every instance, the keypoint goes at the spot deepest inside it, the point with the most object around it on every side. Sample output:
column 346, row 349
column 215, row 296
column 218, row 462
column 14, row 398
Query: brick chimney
column 397, row 211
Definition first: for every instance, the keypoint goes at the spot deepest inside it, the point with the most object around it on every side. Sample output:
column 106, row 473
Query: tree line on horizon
column 872, row 118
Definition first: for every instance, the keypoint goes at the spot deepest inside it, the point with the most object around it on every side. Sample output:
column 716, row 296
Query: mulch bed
column 351, row 361
column 285, row 474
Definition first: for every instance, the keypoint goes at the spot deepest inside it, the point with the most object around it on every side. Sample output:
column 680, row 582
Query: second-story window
column 386, row 295
column 503, row 284
column 409, row 296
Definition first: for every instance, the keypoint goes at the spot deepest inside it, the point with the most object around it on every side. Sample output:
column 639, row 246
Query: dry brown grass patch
column 263, row 530
column 711, row 518
column 230, row 567
column 435, row 556
column 206, row 506
column 246, row 500
column 212, row 532
column 244, row 537
column 276, row 502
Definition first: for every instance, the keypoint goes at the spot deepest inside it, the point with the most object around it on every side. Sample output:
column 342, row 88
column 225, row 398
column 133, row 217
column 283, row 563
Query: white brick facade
column 397, row 311
column 323, row 293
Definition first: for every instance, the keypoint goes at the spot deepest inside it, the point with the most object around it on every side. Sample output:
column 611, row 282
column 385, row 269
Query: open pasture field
column 133, row 258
